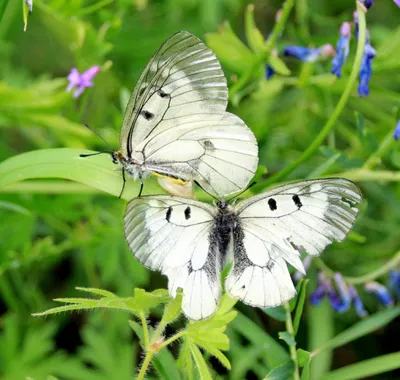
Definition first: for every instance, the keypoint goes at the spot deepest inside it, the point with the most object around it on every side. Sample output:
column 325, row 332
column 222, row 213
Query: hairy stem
column 338, row 109
column 145, row 365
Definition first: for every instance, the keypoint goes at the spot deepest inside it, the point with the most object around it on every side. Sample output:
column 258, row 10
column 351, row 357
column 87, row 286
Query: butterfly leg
column 141, row 188
column 123, row 186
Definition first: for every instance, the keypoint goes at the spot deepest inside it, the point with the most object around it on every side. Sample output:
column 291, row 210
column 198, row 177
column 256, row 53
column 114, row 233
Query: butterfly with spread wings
column 176, row 124
column 191, row 241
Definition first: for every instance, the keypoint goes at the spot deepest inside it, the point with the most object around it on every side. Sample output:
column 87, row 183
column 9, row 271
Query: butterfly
column 176, row 124
column 191, row 242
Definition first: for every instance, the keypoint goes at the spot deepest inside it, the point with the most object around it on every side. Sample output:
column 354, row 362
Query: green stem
column 262, row 58
column 292, row 348
column 145, row 365
column 145, row 330
column 392, row 263
column 172, row 339
column 338, row 110
column 375, row 158
column 368, row 175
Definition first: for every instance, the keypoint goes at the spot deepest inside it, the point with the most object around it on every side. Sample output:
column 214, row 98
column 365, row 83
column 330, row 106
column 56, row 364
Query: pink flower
column 81, row 81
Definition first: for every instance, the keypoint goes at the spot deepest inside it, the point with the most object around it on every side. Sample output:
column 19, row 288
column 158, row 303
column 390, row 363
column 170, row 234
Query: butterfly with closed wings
column 176, row 124
column 190, row 241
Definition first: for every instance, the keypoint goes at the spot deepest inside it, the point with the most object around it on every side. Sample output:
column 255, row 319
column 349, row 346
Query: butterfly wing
column 175, row 123
column 175, row 236
column 182, row 78
column 276, row 225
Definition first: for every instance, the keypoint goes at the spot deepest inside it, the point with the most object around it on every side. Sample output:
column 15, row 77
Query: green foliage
column 61, row 219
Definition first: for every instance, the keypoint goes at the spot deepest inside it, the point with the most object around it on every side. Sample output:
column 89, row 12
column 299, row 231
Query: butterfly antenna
column 98, row 135
column 202, row 188
column 243, row 191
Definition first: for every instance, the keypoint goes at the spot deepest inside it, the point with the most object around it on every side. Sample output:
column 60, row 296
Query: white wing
column 175, row 122
column 174, row 235
column 222, row 155
column 276, row 225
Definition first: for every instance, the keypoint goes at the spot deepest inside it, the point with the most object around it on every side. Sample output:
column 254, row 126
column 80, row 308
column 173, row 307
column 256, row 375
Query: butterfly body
column 190, row 241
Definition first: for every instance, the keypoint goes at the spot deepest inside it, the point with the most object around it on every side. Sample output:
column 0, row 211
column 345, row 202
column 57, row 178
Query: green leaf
column 185, row 361
column 301, row 297
column 277, row 313
column 254, row 37
column 366, row 368
column 274, row 353
column 137, row 328
column 14, row 207
column 232, row 52
column 172, row 309
column 144, row 301
column 282, row 372
column 288, row 338
column 278, row 65
column 165, row 365
column 96, row 291
column 97, row 171
column 364, row 327
column 304, row 360
column 200, row 362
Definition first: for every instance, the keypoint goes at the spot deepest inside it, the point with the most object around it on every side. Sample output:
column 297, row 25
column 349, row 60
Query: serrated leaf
column 278, row 65
column 288, row 338
column 201, row 364
column 281, row 372
column 232, row 52
column 144, row 301
column 172, row 309
column 364, row 327
column 300, row 305
column 100, row 292
column 254, row 37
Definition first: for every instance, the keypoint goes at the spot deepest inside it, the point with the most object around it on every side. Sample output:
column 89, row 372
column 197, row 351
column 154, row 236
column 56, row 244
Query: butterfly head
column 116, row 156
column 222, row 204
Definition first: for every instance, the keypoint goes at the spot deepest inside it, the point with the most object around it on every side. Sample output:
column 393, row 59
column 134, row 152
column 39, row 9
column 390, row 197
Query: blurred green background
column 56, row 235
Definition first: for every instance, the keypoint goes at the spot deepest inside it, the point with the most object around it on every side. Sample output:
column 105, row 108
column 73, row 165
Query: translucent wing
column 276, row 225
column 222, row 155
column 183, row 78
column 175, row 236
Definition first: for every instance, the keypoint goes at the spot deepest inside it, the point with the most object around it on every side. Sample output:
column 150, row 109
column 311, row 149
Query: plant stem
column 145, row 330
column 337, row 111
column 375, row 157
column 392, row 263
column 145, row 365
column 172, row 339
column 292, row 348
column 263, row 58
column 368, row 175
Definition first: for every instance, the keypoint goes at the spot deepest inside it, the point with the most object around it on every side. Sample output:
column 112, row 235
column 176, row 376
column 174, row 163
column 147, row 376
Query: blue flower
column 308, row 54
column 358, row 304
column 81, row 81
column 366, row 69
column 380, row 291
column 343, row 302
column 396, row 133
column 367, row 3
column 394, row 280
column 342, row 49
column 321, row 291
column 355, row 19
column 269, row 72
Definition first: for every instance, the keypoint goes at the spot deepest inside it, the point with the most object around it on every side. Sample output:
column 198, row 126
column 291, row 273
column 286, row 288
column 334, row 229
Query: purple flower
column 380, row 291
column 81, row 81
column 397, row 2
column 396, row 133
column 355, row 19
column 309, row 54
column 321, row 291
column 367, row 3
column 344, row 294
column 358, row 304
column 366, row 69
column 342, row 49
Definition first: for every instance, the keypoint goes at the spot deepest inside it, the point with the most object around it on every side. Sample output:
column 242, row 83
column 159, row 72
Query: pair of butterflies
column 176, row 125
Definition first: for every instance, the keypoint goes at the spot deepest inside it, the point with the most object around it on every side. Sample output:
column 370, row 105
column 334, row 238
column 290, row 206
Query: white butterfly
column 191, row 241
column 175, row 123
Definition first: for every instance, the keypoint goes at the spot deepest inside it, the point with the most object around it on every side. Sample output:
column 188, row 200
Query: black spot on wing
column 187, row 213
column 209, row 145
column 147, row 115
column 296, row 200
column 168, row 214
column 163, row 94
column 272, row 204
